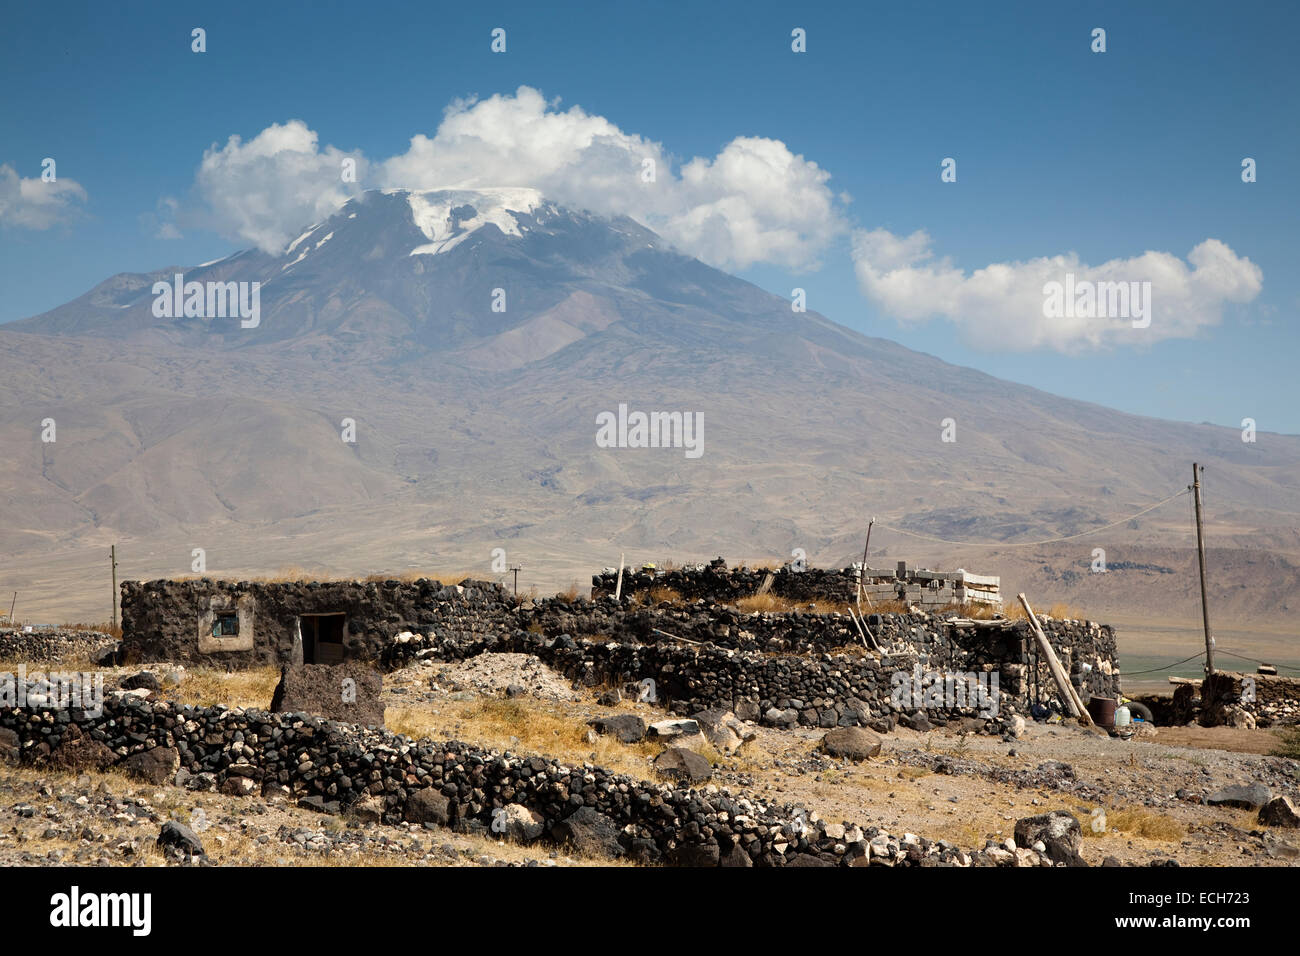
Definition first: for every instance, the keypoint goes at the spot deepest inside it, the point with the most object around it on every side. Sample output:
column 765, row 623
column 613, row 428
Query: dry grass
column 1288, row 744
column 1135, row 822
column 570, row 593
column 204, row 687
column 663, row 595
column 531, row 728
column 773, row 604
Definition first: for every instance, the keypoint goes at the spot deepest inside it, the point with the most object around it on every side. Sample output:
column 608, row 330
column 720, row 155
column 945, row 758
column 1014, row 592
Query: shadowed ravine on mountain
column 475, row 429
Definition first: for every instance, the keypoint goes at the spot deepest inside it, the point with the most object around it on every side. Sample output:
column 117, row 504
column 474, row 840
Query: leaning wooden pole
column 1072, row 699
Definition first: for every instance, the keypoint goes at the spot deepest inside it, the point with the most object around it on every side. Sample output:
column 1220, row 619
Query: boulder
column 239, row 786
column 517, row 823
column 851, row 743
column 348, row 692
column 143, row 680
column 723, row 729
column 1246, row 796
column 319, row 804
column 78, row 752
column 674, row 728
column 178, row 839
column 1058, row 831
column 589, row 833
column 156, row 766
column 625, row 728
column 1279, row 812
column 686, row 766
column 694, row 854
column 428, row 807
column 368, row 809
column 735, row 858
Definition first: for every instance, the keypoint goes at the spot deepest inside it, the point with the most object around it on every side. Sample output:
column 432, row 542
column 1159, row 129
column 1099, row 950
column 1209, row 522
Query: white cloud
column 1001, row 306
column 755, row 201
column 265, row 190
column 37, row 204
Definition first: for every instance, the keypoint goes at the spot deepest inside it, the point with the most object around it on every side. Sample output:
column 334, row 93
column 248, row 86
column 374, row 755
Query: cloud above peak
column 755, row 202
column 1057, row 302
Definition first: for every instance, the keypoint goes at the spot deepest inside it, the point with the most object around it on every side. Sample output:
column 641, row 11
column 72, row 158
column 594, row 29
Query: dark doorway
column 322, row 638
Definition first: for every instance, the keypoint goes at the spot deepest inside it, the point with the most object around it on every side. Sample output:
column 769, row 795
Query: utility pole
column 862, row 575
column 516, row 569
column 112, row 554
column 1200, row 555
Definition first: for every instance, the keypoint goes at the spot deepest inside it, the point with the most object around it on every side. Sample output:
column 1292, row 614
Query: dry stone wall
column 333, row 767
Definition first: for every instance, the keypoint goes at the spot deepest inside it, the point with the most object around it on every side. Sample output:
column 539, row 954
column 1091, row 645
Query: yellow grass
column 524, row 728
column 663, row 595
column 771, row 603
column 570, row 593
column 205, row 687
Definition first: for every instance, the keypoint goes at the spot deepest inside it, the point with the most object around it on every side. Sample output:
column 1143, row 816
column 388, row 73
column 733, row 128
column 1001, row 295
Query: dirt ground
column 1139, row 801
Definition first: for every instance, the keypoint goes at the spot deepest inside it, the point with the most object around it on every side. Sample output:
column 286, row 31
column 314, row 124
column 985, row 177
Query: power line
column 1124, row 673
column 1034, row 544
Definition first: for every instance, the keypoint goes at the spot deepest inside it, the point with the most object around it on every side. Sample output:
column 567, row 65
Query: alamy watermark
column 953, row 690
column 208, row 300
column 651, row 430
column 58, row 690
column 1085, row 299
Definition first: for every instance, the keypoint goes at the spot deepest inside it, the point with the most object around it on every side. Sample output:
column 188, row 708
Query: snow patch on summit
column 448, row 216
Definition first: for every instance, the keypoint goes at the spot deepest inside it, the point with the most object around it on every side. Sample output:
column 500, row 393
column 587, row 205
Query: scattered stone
column 156, row 766
column 676, row 763
column 626, row 728
column 674, row 728
column 1249, row 796
column 1279, row 812
column 177, row 839
column 1058, row 831
column 143, row 680
column 851, row 743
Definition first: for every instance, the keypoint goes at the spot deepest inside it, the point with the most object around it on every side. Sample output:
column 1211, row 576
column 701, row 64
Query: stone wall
column 335, row 766
column 1237, row 699
column 51, row 644
column 850, row 688
column 716, row 582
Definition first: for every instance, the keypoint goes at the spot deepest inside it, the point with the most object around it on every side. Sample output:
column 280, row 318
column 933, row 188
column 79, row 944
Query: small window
column 226, row 625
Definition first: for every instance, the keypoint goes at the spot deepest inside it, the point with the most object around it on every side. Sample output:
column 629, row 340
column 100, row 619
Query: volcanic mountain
column 467, row 342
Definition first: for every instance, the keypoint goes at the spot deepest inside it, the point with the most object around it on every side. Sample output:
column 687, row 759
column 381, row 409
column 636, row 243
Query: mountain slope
column 475, row 427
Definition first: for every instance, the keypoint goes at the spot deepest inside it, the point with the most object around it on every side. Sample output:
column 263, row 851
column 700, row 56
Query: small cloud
column 1001, row 306
column 37, row 204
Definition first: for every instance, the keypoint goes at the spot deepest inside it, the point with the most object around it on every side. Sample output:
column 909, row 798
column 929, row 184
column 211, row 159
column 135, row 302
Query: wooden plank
column 1058, row 673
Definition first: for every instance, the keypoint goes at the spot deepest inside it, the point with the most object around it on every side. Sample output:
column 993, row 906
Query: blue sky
column 1059, row 150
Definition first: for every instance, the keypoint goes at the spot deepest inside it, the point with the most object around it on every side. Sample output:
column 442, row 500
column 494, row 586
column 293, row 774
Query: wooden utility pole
column 1200, row 557
column 112, row 554
column 11, row 607
column 862, row 575
column 516, row 568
